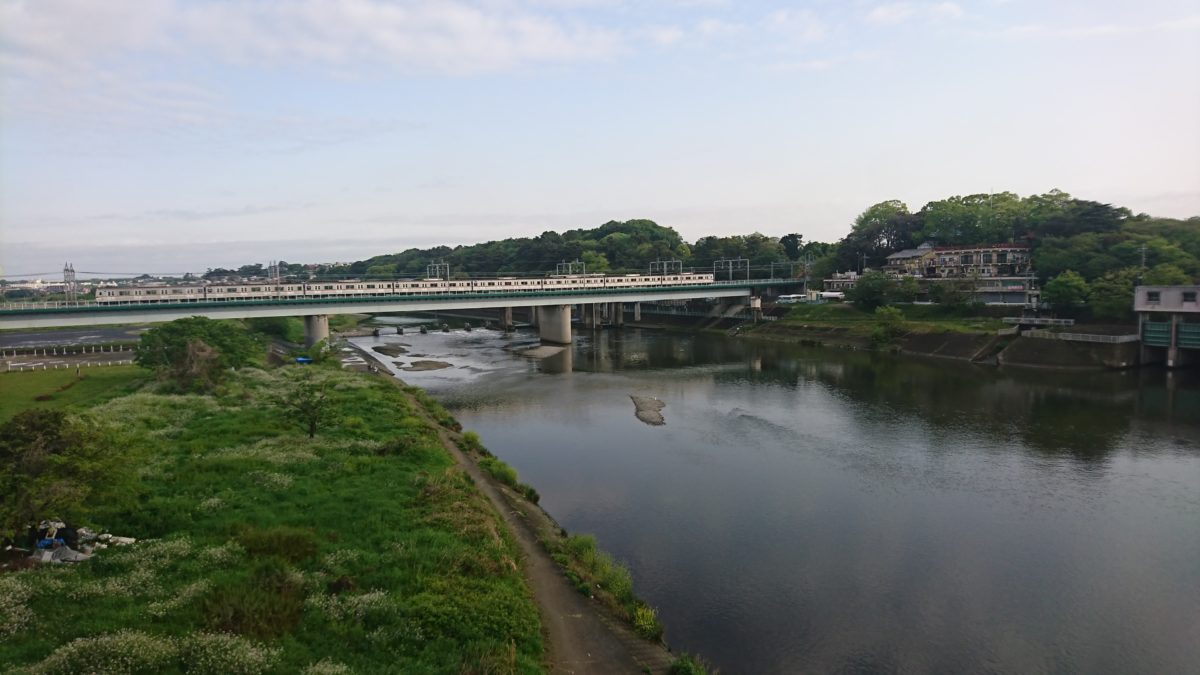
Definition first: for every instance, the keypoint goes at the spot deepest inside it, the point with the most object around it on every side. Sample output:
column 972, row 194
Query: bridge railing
column 425, row 294
column 1081, row 337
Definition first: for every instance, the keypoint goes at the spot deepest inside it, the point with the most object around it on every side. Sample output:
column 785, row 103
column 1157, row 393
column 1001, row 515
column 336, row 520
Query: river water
column 808, row 510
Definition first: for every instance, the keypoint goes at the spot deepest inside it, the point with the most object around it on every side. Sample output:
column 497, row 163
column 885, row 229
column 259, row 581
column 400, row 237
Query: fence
column 1081, row 337
column 22, row 367
column 1036, row 321
column 65, row 351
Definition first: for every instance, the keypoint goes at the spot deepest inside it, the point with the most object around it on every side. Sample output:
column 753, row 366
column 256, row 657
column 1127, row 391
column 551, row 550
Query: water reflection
column 810, row 510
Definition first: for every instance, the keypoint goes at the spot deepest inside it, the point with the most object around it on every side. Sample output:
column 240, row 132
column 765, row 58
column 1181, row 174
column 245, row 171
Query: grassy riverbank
column 916, row 319
column 364, row 549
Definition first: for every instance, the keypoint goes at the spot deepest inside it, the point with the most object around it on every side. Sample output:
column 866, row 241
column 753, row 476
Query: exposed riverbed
column 809, row 510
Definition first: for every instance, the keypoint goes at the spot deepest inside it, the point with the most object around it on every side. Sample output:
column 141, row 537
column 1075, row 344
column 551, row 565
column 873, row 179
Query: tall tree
column 197, row 350
column 791, row 244
column 52, row 463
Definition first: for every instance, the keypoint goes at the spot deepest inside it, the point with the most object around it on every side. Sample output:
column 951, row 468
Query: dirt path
column 581, row 637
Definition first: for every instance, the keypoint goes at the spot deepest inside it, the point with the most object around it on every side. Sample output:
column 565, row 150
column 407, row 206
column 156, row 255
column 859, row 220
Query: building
column 841, row 282
column 993, row 274
column 992, row 260
column 912, row 262
column 1169, row 324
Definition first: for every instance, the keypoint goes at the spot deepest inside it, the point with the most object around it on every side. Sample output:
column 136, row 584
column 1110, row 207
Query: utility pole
column 438, row 270
column 69, row 287
column 665, row 267
column 573, row 267
column 731, row 264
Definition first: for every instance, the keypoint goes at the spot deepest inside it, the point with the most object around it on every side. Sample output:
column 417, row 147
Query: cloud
column 447, row 37
column 797, row 25
column 665, row 36
column 1186, row 23
column 711, row 27
column 809, row 65
column 891, row 13
column 898, row 12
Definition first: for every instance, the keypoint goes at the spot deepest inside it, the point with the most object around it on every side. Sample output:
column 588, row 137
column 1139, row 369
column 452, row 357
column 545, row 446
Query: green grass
column 687, row 664
column 265, row 551
column 343, row 322
column 917, row 318
column 594, row 573
column 62, row 389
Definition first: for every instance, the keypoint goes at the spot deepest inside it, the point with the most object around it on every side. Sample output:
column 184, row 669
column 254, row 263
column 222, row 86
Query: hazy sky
column 171, row 135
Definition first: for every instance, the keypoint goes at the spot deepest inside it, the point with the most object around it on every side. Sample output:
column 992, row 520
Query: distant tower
column 69, row 285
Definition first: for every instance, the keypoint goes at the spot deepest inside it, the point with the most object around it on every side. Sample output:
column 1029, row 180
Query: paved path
column 581, row 637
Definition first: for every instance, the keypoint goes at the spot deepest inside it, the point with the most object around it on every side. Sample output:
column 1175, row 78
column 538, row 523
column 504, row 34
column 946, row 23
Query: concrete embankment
column 1043, row 353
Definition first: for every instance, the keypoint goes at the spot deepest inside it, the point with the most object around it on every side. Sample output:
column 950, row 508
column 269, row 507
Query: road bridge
column 553, row 308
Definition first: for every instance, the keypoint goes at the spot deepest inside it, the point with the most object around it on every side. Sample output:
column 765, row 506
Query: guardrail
column 1036, row 321
column 1081, row 337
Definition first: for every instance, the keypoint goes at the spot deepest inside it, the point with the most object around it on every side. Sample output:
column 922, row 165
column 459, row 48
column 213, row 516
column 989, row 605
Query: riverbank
column 591, row 619
column 366, row 548
column 921, row 333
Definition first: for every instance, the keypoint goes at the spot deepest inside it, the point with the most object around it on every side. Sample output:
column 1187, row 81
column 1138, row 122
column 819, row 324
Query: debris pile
column 56, row 542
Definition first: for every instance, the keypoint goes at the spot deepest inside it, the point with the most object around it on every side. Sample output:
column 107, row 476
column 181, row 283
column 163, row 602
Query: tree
column 1066, row 291
column 1166, row 274
column 870, row 291
column 1111, row 296
column 791, row 245
column 889, row 325
column 51, row 464
column 308, row 403
column 196, row 351
column 883, row 228
column 907, row 290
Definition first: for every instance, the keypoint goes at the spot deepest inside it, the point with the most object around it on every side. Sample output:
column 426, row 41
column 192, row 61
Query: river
column 809, row 510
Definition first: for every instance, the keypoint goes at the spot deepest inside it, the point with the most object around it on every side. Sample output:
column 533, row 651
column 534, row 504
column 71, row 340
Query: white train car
column 368, row 288
column 139, row 294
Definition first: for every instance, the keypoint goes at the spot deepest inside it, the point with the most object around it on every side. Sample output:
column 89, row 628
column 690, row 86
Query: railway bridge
column 552, row 308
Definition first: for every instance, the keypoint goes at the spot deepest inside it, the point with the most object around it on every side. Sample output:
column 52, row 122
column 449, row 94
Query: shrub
column 293, row 544
column 266, row 605
column 889, row 325
column 472, row 441
column 499, row 470
column 645, row 622
column 125, row 651
column 688, row 664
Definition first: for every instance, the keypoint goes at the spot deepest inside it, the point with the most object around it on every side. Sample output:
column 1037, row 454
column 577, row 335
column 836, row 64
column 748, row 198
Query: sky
column 174, row 135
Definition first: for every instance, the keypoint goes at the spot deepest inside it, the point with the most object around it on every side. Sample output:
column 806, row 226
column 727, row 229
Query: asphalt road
column 69, row 336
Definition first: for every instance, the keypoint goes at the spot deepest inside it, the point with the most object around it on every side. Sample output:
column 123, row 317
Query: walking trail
column 581, row 636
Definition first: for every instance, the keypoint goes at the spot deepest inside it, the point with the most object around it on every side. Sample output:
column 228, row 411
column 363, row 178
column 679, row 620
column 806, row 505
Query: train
column 358, row 288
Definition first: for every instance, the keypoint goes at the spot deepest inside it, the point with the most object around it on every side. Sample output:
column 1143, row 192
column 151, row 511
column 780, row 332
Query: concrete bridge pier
column 637, row 311
column 533, row 316
column 589, row 315
column 616, row 314
column 506, row 319
column 554, row 324
column 316, row 328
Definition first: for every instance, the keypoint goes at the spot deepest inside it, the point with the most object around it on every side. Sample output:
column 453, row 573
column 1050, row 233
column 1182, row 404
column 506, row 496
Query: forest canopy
column 1090, row 238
